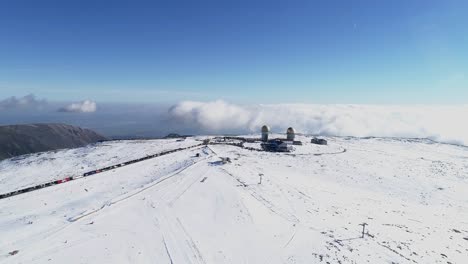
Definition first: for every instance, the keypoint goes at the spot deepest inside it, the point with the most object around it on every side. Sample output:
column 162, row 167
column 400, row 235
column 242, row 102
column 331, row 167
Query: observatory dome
column 290, row 133
column 265, row 132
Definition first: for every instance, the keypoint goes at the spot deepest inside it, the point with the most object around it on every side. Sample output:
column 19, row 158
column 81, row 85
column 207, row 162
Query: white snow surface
column 184, row 208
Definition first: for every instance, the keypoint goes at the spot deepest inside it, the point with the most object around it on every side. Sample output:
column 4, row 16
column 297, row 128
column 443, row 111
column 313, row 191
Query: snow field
column 181, row 208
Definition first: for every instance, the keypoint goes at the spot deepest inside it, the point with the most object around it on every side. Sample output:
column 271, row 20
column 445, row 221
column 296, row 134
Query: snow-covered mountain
column 188, row 207
column 23, row 139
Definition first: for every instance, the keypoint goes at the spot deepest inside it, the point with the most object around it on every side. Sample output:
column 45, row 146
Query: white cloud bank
column 440, row 123
column 26, row 102
column 86, row 106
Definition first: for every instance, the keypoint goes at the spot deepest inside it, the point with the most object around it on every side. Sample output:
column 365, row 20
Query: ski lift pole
column 363, row 229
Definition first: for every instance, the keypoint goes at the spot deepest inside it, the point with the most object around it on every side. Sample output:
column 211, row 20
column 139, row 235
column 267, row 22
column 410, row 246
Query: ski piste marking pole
column 89, row 173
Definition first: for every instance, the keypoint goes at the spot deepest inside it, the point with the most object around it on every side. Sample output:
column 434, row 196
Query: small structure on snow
column 225, row 160
column 290, row 134
column 318, row 141
column 277, row 145
column 265, row 132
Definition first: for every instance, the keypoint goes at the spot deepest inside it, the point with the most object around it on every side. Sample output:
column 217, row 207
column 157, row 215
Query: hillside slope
column 189, row 208
column 18, row 140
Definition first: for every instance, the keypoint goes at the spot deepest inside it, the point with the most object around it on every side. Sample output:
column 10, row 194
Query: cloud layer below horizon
column 440, row 123
column 86, row 106
column 21, row 103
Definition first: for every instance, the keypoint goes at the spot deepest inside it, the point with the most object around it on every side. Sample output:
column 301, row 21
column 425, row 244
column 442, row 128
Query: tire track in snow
column 186, row 188
column 291, row 239
column 266, row 203
column 167, row 250
column 179, row 244
column 287, row 214
column 133, row 194
column 176, row 239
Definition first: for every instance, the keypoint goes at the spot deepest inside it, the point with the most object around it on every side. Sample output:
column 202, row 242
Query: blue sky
column 372, row 52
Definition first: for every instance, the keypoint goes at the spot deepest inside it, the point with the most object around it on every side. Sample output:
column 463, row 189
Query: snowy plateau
column 307, row 206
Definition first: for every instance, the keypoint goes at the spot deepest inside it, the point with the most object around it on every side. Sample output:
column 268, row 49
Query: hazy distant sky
column 241, row 51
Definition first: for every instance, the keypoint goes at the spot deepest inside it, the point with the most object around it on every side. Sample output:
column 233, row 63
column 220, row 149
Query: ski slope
column 189, row 208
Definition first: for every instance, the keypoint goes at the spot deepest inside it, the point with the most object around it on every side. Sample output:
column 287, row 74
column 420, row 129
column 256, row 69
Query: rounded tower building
column 290, row 134
column 265, row 132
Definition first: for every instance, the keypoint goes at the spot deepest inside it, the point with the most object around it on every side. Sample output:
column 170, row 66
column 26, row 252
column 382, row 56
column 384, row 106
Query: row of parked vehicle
column 89, row 173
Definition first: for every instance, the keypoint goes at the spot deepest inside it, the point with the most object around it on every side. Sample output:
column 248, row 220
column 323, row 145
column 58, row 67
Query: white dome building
column 265, row 132
column 290, row 134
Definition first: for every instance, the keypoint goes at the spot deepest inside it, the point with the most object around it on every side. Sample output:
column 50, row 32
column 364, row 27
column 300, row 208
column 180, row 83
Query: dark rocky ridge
column 18, row 140
column 175, row 135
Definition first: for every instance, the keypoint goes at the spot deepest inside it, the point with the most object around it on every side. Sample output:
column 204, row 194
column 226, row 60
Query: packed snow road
column 68, row 178
column 188, row 208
